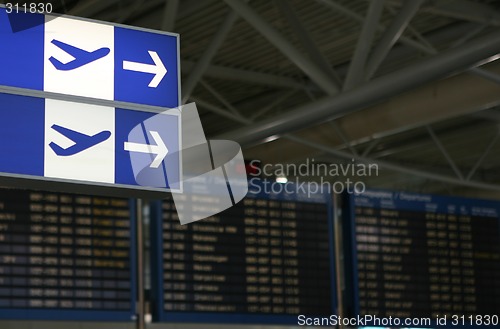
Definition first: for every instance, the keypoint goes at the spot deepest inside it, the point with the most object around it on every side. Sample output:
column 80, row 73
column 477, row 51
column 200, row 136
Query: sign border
column 13, row 180
column 124, row 26
column 118, row 190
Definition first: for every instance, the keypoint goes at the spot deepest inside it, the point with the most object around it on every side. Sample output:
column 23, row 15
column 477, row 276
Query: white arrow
column 159, row 149
column 158, row 69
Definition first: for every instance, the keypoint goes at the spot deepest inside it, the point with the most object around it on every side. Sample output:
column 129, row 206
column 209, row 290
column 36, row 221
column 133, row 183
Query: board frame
column 87, row 315
column 157, row 292
column 438, row 203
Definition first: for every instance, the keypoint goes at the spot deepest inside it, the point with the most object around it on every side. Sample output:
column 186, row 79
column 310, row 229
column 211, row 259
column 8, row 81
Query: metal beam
column 428, row 104
column 467, row 10
column 467, row 36
column 431, row 103
column 265, row 79
column 279, row 41
column 190, row 7
column 404, row 40
column 391, row 35
column 201, row 66
column 474, row 70
column 394, row 167
column 310, row 95
column 219, row 111
column 356, row 71
column 495, row 77
column 252, row 77
column 343, row 137
column 169, row 15
column 445, row 153
column 444, row 36
column 271, row 106
column 305, row 39
column 482, row 157
column 349, row 13
column 370, row 147
column 363, row 158
column 219, row 97
column 237, row 116
column 489, row 114
column 375, row 91
column 406, row 147
column 410, row 29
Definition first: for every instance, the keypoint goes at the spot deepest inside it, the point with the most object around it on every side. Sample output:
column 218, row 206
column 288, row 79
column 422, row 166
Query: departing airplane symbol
column 82, row 57
column 82, row 141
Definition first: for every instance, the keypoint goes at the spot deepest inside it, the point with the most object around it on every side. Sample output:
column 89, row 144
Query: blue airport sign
column 79, row 57
column 62, row 141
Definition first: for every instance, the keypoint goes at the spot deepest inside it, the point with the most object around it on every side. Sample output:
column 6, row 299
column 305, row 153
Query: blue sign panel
column 66, row 141
column 421, row 256
column 91, row 59
column 266, row 260
column 22, row 119
column 135, row 84
column 21, row 52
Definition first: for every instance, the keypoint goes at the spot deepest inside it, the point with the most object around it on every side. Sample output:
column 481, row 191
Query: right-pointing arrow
column 160, row 149
column 158, row 69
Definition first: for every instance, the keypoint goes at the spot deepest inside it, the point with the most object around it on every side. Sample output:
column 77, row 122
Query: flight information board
column 416, row 255
column 66, row 257
column 265, row 260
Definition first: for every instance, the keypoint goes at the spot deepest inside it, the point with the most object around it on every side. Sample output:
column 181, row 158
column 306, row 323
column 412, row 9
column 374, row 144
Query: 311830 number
column 32, row 7
column 475, row 320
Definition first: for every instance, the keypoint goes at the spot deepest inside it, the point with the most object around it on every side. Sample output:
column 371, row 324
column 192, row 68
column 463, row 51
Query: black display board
column 418, row 255
column 265, row 260
column 66, row 257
